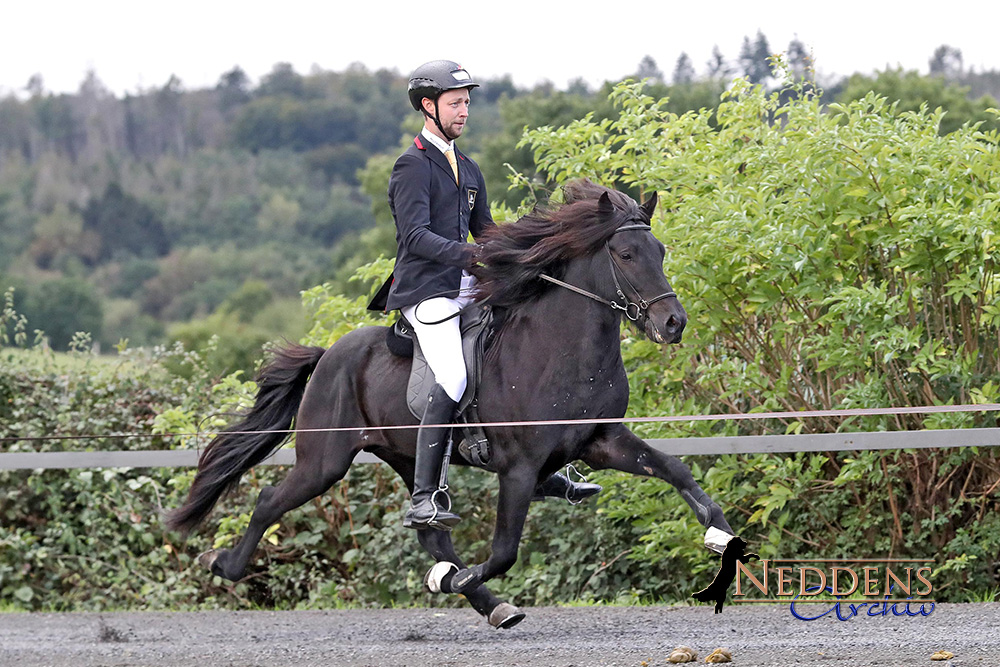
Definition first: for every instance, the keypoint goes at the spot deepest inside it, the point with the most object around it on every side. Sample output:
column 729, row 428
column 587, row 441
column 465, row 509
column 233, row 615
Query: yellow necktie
column 450, row 154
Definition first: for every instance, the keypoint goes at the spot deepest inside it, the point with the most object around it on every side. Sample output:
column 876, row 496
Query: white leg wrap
column 436, row 574
column 716, row 539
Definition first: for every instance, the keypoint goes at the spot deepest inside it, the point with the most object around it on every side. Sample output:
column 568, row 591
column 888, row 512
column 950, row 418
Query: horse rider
column 438, row 196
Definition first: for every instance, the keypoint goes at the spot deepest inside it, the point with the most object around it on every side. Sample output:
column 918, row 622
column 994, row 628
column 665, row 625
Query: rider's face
column 453, row 111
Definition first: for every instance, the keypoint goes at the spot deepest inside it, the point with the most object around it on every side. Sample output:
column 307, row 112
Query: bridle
column 630, row 309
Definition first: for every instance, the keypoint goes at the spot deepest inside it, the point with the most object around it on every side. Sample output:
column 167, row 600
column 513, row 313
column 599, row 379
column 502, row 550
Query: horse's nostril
column 672, row 323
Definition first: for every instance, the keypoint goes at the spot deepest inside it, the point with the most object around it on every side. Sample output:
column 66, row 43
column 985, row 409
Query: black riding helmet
column 433, row 78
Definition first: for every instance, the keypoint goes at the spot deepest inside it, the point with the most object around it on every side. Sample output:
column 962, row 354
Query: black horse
column 557, row 357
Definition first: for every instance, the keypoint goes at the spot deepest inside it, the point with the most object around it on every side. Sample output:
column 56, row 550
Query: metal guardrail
column 747, row 444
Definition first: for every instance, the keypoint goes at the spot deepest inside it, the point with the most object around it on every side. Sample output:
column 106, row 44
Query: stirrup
column 569, row 489
column 572, row 492
column 440, row 518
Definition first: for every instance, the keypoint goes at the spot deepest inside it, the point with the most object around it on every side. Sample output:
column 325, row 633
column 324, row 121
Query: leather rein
column 630, row 309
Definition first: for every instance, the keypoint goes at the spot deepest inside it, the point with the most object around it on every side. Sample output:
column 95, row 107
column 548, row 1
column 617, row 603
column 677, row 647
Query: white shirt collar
column 437, row 141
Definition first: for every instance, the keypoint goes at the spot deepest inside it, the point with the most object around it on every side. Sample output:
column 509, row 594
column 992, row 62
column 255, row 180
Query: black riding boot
column 424, row 512
column 560, row 486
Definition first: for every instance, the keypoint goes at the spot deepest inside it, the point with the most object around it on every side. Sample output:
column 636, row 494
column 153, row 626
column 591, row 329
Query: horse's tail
column 281, row 384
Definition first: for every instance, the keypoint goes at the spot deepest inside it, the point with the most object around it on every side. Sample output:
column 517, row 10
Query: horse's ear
column 604, row 206
column 650, row 206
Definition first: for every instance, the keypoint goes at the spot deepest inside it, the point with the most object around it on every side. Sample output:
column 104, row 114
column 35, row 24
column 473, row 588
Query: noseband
column 631, row 309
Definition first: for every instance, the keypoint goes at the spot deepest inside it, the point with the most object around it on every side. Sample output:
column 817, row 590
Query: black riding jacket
column 433, row 219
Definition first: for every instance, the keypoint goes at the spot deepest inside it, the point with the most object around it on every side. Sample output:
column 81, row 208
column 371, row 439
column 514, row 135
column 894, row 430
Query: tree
column 63, row 307
column 338, row 162
column 947, row 62
column 649, row 70
column 246, row 302
column 170, row 116
column 578, row 86
column 718, row 67
column 58, row 124
column 517, row 114
column 838, row 258
column 753, row 58
column 798, row 59
column 125, row 226
column 494, row 89
column 59, row 235
column 93, row 87
column 683, row 70
column 36, row 86
column 233, row 88
column 15, row 130
column 282, row 81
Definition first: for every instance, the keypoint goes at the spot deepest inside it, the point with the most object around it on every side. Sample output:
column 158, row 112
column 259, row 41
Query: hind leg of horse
column 620, row 449
column 322, row 460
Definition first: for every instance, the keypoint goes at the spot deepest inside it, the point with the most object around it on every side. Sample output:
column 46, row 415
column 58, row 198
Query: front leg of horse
column 516, row 491
column 618, row 448
column 438, row 544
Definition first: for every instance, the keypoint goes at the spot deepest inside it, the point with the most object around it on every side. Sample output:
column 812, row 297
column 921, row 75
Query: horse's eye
column 626, row 256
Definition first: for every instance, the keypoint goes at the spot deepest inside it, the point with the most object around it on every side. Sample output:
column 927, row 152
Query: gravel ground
column 757, row 635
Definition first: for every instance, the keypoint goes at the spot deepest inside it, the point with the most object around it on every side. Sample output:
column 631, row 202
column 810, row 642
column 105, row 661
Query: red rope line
column 741, row 416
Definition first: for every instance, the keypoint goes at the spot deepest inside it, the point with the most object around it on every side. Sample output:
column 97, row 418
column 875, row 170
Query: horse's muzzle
column 666, row 324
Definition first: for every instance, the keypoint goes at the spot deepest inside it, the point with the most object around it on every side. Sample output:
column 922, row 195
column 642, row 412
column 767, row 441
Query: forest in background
column 174, row 215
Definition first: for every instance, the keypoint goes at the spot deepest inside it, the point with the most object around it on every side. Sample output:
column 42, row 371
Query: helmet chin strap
column 437, row 121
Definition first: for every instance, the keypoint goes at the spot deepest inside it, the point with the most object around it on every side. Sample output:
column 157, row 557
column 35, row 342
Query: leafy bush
column 828, row 258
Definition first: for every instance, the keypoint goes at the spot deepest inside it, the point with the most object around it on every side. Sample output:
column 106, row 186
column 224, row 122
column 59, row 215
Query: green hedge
column 828, row 258
column 94, row 539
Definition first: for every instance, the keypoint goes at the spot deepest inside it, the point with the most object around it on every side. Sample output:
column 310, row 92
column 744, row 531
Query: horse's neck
column 587, row 329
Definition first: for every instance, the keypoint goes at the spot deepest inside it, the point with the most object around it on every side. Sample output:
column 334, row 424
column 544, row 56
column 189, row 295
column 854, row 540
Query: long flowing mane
column 513, row 255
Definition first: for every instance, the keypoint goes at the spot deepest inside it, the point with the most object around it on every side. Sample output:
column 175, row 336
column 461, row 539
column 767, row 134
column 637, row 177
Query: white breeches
column 442, row 343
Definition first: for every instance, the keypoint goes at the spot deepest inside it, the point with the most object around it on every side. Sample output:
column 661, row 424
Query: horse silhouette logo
column 735, row 551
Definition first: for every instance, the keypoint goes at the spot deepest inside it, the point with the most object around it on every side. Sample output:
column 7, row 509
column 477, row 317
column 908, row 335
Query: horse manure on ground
column 943, row 655
column 683, row 654
column 719, row 655
column 688, row 654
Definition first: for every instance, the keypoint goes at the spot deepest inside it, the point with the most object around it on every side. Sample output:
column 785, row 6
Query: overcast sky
column 135, row 46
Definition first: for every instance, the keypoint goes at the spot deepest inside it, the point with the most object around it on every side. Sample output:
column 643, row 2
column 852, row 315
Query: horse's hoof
column 434, row 579
column 505, row 616
column 206, row 559
column 215, row 560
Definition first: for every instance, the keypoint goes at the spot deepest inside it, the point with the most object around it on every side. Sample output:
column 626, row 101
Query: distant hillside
column 175, row 213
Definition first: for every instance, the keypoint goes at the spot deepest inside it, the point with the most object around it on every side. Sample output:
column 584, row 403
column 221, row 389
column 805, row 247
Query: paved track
column 581, row 637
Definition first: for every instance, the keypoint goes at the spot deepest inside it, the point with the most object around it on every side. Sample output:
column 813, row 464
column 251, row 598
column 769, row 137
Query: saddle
column 479, row 326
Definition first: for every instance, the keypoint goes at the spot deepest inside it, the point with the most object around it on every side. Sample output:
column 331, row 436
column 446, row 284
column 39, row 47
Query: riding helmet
column 433, row 78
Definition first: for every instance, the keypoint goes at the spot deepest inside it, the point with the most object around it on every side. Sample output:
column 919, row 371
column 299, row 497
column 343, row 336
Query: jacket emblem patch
column 472, row 197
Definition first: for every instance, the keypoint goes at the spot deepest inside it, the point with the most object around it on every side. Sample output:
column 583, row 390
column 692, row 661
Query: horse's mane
column 513, row 255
